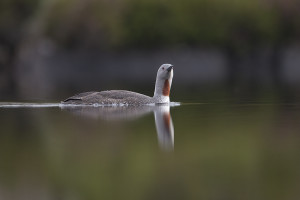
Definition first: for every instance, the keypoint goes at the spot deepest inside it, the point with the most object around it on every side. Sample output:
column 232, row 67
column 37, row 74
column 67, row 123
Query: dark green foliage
column 155, row 23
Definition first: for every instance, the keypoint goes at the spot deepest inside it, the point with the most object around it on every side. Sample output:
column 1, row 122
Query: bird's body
column 124, row 97
column 110, row 97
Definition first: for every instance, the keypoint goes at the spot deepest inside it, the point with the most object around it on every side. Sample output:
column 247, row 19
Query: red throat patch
column 166, row 89
column 167, row 121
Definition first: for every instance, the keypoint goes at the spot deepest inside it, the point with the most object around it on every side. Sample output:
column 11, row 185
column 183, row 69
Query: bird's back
column 109, row 97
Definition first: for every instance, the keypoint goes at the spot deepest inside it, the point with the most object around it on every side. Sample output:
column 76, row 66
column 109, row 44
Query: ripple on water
column 48, row 105
column 27, row 105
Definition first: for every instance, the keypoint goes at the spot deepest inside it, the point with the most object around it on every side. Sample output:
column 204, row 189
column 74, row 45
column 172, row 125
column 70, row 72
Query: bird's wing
column 79, row 97
column 109, row 97
column 123, row 95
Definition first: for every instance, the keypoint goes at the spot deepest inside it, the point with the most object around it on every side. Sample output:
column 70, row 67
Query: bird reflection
column 162, row 115
column 164, row 127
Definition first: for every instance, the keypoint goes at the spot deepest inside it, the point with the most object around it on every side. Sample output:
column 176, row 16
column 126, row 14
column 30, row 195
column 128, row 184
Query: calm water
column 191, row 151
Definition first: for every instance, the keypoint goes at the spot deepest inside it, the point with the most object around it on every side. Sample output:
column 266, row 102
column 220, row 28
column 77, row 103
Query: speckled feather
column 118, row 97
column 109, row 97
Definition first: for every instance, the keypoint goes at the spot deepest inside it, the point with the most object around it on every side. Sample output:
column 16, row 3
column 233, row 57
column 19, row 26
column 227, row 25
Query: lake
column 214, row 150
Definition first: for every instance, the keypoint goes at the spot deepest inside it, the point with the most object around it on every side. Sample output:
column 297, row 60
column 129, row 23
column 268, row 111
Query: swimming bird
column 123, row 97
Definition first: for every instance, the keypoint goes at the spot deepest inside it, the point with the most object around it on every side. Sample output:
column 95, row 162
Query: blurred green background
column 51, row 48
column 239, row 58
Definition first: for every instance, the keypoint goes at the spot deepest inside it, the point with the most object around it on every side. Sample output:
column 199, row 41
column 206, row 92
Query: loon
column 123, row 97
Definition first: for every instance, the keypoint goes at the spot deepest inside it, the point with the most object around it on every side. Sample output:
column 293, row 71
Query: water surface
column 192, row 151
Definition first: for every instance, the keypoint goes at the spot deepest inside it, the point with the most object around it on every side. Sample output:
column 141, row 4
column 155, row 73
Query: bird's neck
column 162, row 90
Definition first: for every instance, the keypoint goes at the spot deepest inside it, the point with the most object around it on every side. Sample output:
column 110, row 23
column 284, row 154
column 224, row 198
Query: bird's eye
column 163, row 68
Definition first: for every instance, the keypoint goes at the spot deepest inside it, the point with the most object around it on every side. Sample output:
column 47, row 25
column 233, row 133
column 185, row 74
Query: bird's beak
column 170, row 68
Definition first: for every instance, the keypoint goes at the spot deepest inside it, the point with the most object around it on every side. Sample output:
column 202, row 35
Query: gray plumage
column 119, row 97
column 110, row 97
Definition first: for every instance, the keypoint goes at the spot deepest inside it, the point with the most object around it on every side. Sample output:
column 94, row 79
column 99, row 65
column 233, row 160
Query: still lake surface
column 192, row 151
